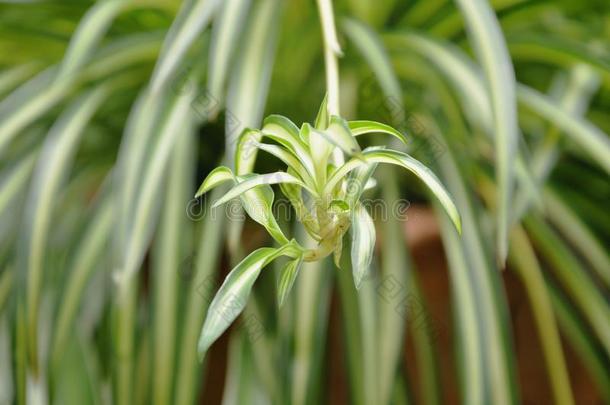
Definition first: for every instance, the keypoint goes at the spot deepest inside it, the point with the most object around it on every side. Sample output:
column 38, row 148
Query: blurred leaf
column 195, row 15
column 595, row 142
column 489, row 44
column 89, row 32
column 574, row 278
column 52, row 167
column 527, row 267
column 226, row 32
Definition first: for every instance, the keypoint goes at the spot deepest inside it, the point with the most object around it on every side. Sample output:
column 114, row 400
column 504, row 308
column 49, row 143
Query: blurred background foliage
column 112, row 112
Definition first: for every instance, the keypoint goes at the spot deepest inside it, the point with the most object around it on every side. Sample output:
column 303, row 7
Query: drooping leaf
column 363, row 243
column 409, row 163
column 233, row 294
column 288, row 275
column 216, row 177
column 258, row 203
column 367, row 127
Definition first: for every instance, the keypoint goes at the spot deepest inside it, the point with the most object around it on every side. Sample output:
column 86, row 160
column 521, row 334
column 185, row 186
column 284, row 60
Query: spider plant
column 333, row 197
column 111, row 113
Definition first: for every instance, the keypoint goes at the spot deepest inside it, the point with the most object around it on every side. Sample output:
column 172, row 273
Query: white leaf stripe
column 366, row 127
column 216, row 177
column 245, row 185
column 363, row 243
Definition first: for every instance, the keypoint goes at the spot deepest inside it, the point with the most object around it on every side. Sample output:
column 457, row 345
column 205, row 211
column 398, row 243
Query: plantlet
column 324, row 192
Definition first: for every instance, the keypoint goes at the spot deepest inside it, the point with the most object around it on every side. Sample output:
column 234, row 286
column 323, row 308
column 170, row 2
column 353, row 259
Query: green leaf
column 409, row 163
column 523, row 259
column 291, row 161
column 216, row 177
column 363, row 243
column 258, row 203
column 578, row 234
column 337, row 253
column 283, row 128
column 465, row 77
column 339, row 134
column 358, row 181
column 249, row 182
column 12, row 182
column 322, row 118
column 169, row 249
column 88, row 34
column 589, row 137
column 250, row 80
column 233, row 294
column 369, row 44
column 211, row 236
column 490, row 47
column 367, row 127
column 52, row 167
column 283, row 131
column 193, row 18
column 81, row 267
column 338, row 206
column 28, row 102
column 287, row 278
column 142, row 218
column 574, row 277
column 320, row 149
column 226, row 30
column 10, row 78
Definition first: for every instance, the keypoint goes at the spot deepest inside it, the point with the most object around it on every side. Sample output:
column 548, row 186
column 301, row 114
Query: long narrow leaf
column 490, row 46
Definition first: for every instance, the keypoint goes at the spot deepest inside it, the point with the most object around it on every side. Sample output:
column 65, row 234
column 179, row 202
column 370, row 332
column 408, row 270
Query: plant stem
column 331, row 51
